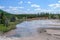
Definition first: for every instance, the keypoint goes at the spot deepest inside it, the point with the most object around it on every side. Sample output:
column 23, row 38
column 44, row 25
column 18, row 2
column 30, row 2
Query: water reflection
column 28, row 28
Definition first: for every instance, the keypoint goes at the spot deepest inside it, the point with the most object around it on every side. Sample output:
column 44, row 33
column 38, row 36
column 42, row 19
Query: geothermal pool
column 29, row 28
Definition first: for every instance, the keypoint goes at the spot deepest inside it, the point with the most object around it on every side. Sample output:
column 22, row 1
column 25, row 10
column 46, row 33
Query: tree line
column 6, row 18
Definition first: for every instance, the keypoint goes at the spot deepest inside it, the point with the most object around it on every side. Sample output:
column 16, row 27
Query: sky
column 30, row 6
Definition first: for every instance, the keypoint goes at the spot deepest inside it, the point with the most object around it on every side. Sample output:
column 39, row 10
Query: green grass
column 12, row 25
column 3, row 28
column 6, row 29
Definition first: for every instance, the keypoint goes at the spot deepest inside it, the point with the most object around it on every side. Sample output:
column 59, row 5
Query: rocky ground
column 40, row 36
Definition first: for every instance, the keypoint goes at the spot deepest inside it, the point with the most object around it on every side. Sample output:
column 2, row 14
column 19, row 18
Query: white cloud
column 2, row 7
column 57, row 5
column 21, row 7
column 15, row 8
column 28, row 9
column 46, row 10
column 58, row 1
column 21, row 2
column 29, row 2
column 37, row 9
column 35, row 5
column 12, row 7
column 8, row 10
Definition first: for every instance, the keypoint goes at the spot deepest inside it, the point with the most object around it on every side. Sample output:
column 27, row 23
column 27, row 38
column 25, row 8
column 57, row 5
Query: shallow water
column 29, row 28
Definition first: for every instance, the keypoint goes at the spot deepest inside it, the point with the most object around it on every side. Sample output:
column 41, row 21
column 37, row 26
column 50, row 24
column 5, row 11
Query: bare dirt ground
column 40, row 36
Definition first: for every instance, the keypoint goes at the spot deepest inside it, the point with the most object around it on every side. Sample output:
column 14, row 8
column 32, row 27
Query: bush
column 13, row 19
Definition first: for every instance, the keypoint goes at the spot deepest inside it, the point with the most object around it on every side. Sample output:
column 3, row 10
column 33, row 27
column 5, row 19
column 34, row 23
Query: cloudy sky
column 30, row 6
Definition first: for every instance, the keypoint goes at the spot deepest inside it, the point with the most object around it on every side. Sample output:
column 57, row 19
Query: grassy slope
column 11, row 24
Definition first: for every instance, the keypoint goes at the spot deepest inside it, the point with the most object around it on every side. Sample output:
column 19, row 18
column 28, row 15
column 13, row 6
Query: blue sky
column 30, row 6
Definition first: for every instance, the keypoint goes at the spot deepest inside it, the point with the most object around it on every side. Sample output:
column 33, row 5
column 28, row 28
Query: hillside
column 49, row 15
column 8, row 15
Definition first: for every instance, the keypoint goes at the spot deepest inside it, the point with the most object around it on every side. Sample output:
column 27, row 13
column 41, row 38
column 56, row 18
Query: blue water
column 29, row 28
